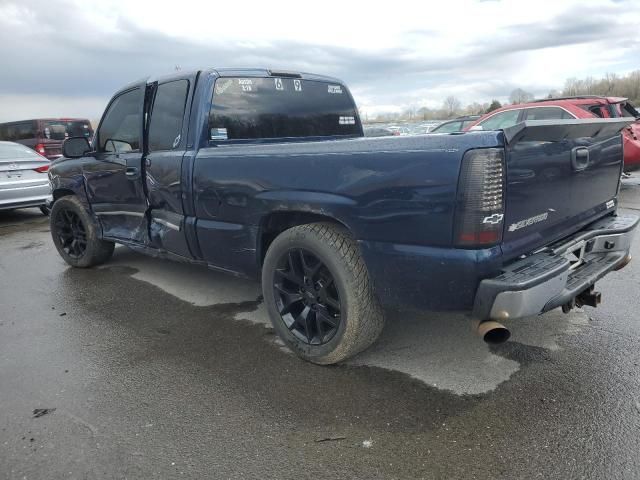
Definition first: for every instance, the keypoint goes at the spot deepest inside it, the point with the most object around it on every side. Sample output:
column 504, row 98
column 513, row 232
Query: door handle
column 580, row 158
column 131, row 172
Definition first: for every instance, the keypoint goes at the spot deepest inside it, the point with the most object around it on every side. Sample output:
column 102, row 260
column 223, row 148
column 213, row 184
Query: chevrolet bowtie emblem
column 493, row 219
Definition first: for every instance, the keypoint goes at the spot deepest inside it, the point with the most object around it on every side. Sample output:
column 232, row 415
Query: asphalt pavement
column 145, row 368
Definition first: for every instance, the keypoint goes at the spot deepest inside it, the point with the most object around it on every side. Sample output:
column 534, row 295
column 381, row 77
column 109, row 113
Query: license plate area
column 11, row 175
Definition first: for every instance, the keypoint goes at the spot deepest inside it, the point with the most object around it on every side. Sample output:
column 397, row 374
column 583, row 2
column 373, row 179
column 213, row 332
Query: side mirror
column 75, row 147
column 476, row 128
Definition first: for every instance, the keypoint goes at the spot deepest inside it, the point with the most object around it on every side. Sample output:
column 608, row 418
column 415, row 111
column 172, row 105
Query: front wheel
column 75, row 234
column 318, row 293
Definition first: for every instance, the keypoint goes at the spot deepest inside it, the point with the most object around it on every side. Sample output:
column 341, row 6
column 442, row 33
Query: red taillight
column 43, row 169
column 40, row 149
column 480, row 204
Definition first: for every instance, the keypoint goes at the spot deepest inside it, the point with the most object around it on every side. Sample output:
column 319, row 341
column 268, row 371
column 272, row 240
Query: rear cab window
column 274, row 107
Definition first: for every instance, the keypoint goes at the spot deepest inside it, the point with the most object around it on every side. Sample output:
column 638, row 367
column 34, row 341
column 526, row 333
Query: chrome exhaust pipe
column 492, row 332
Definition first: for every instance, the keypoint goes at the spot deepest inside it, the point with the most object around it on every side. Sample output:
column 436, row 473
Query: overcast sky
column 66, row 57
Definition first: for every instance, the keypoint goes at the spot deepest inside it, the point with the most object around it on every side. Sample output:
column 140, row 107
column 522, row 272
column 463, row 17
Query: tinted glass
column 121, row 126
column 448, row 127
column 628, row 110
column 595, row 109
column 547, row 113
column 166, row 118
column 14, row 151
column 17, row 131
column 61, row 129
column 248, row 108
column 501, row 120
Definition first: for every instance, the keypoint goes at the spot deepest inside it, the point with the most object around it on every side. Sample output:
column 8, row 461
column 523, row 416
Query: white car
column 23, row 178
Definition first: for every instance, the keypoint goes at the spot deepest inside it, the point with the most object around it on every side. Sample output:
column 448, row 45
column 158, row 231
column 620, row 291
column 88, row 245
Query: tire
column 75, row 234
column 341, row 280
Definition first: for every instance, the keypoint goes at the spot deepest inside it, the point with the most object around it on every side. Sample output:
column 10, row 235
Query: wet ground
column 151, row 369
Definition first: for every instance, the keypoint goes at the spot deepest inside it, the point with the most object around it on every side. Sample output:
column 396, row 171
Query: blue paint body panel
column 397, row 195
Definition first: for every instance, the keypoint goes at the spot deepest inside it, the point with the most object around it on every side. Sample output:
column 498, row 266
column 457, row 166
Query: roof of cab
column 231, row 72
column 241, row 72
column 265, row 72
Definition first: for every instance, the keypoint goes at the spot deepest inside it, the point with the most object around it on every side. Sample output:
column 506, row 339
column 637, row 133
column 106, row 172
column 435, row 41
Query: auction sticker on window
column 246, row 84
column 223, row 85
column 219, row 134
column 334, row 88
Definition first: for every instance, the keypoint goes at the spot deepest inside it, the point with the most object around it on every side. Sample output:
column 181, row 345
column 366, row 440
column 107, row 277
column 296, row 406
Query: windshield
column 254, row 108
column 61, row 129
column 15, row 151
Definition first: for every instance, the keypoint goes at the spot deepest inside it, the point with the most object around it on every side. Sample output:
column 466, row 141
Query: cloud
column 64, row 52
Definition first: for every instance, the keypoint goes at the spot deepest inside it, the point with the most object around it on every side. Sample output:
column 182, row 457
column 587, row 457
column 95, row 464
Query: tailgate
column 561, row 175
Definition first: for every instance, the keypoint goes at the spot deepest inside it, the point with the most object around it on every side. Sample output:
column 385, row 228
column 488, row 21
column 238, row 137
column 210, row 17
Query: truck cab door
column 114, row 180
column 166, row 149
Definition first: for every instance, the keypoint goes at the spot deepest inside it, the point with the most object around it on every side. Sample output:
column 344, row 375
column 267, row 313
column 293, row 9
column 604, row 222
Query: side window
column 628, row 110
column 122, row 124
column 501, row 120
column 165, row 127
column 22, row 131
column 547, row 113
column 449, row 127
column 595, row 109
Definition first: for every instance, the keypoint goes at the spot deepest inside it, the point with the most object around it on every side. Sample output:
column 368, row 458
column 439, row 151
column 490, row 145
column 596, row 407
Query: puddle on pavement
column 440, row 350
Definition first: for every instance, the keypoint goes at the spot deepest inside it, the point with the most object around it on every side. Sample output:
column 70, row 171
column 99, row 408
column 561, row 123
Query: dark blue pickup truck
column 266, row 174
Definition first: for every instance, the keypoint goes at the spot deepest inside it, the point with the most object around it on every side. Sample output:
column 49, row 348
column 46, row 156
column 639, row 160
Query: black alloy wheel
column 71, row 233
column 306, row 297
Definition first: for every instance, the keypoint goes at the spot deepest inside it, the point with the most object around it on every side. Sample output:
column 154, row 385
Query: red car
column 586, row 106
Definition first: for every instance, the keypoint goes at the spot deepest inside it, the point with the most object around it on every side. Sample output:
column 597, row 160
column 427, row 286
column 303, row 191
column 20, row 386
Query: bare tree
column 609, row 80
column 451, row 106
column 520, row 96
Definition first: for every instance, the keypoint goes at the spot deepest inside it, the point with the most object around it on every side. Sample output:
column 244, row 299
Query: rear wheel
column 75, row 234
column 318, row 293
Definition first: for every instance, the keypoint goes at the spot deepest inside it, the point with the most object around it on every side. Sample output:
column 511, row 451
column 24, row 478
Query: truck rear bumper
column 556, row 275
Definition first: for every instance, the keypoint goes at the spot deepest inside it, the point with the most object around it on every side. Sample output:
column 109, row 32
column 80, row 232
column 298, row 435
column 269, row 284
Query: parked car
column 267, row 174
column 399, row 130
column 456, row 125
column 45, row 135
column 428, row 127
column 23, row 178
column 379, row 132
column 586, row 106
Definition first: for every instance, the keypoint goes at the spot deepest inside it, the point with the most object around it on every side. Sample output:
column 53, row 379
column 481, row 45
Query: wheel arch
column 274, row 223
column 61, row 192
